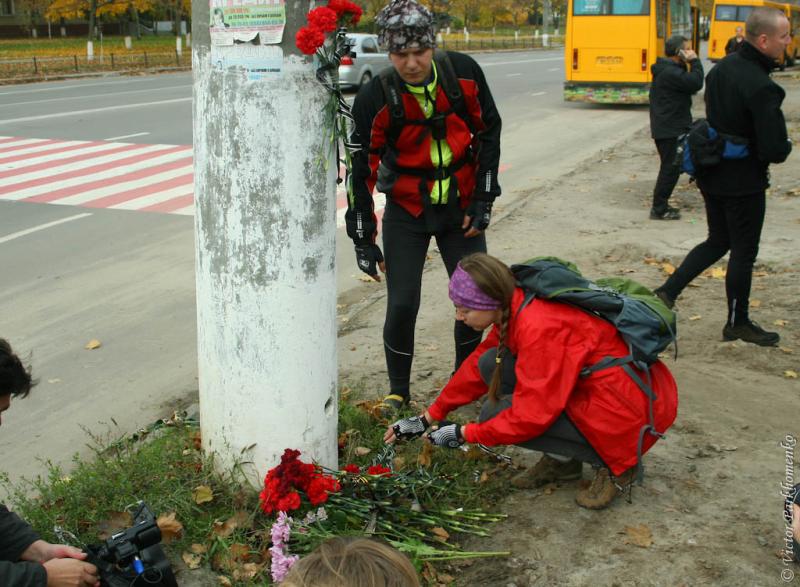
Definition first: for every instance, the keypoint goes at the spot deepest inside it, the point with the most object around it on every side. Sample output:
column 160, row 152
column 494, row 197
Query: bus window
column 744, row 13
column 623, row 7
column 725, row 12
column 680, row 18
column 610, row 7
column 591, row 7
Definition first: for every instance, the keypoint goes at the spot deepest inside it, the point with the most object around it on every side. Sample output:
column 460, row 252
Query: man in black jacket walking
column 25, row 559
column 675, row 79
column 743, row 102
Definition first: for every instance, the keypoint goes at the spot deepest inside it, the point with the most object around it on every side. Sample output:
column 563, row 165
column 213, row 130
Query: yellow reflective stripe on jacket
column 440, row 189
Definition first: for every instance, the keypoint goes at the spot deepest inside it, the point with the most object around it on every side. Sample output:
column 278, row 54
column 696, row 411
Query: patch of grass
column 61, row 47
column 167, row 466
column 163, row 471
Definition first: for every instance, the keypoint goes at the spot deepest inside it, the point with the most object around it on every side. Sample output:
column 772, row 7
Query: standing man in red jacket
column 429, row 133
column 531, row 366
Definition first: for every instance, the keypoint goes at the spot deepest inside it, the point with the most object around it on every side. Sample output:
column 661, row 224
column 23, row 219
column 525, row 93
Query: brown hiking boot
column 604, row 489
column 548, row 470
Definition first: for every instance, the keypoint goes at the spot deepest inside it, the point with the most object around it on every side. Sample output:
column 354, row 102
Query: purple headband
column 465, row 292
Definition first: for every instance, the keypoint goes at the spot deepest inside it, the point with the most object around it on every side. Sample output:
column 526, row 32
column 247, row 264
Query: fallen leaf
column 399, row 462
column 440, row 533
column 226, row 528
column 446, row 579
column 786, row 350
column 247, row 572
column 695, row 317
column 640, row 536
column 92, row 344
column 197, row 440
column 224, row 581
column 781, row 323
column 668, row 268
column 789, row 374
column 192, row 561
column 424, row 457
column 116, row 521
column 651, row 261
column 198, row 548
column 240, row 552
column 760, row 274
column 484, row 477
column 718, row 272
column 755, row 303
column 362, row 451
column 366, row 278
column 56, row 380
column 202, row 494
column 170, row 527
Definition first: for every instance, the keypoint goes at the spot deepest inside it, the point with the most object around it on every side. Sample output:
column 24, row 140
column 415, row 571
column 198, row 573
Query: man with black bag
column 743, row 105
column 25, row 559
column 429, row 137
column 676, row 79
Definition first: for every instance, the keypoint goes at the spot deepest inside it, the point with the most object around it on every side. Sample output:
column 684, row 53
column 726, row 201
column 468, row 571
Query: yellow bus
column 611, row 44
column 729, row 14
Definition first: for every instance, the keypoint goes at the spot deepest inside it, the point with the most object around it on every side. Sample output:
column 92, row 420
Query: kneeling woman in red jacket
column 530, row 365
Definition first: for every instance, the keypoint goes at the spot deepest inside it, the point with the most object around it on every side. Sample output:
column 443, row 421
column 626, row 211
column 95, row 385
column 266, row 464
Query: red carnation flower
column 323, row 18
column 379, row 470
column 346, row 9
column 289, row 502
column 353, row 469
column 308, row 40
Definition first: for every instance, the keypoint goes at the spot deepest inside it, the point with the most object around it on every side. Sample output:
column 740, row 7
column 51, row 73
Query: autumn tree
column 519, row 11
column 32, row 11
column 468, row 10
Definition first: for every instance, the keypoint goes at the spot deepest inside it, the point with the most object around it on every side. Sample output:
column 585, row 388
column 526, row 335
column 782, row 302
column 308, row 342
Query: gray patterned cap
column 405, row 24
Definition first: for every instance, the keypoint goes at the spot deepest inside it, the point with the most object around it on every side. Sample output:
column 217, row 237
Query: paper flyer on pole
column 257, row 61
column 243, row 21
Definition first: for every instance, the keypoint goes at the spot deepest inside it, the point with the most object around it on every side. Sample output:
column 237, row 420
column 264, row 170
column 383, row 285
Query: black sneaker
column 750, row 332
column 668, row 300
column 669, row 214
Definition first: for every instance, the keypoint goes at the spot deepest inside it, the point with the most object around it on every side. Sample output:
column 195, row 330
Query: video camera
column 133, row 557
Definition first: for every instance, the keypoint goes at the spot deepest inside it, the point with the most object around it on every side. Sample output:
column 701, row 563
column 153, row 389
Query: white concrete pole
column 179, row 45
column 265, row 226
column 89, row 51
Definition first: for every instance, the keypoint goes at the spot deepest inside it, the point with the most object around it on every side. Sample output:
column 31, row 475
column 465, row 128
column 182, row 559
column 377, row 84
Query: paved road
column 85, row 271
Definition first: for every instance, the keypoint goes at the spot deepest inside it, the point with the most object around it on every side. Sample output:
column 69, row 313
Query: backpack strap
column 645, row 386
column 452, row 87
column 393, row 91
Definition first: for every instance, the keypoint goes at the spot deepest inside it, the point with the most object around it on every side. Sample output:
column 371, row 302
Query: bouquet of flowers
column 325, row 37
column 398, row 507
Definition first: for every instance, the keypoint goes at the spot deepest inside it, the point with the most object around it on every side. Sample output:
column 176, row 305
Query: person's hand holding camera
column 70, row 572
column 688, row 55
column 64, row 564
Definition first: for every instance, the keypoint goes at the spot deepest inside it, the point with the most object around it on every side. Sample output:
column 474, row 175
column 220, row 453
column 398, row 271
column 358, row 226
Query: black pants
column 562, row 438
column 734, row 224
column 405, row 248
column 668, row 173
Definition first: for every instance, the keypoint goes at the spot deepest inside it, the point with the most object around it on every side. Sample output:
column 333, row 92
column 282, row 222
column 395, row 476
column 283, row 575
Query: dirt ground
column 711, row 498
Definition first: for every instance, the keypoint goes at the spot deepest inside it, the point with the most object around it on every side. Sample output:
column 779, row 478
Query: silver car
column 365, row 62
